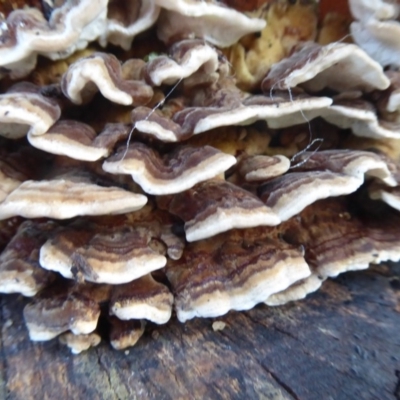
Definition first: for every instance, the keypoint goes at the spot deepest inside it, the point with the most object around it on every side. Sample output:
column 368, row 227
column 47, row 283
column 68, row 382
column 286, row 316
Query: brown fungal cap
column 23, row 109
column 365, row 234
column 278, row 111
column 125, row 20
column 209, row 20
column 55, row 254
column 125, row 334
column 338, row 66
column 289, row 194
column 186, row 57
column 350, row 162
column 373, row 35
column 298, row 291
column 259, row 168
column 361, row 117
column 26, row 33
column 117, row 257
column 20, row 271
column 376, row 29
column 70, row 138
column 102, row 71
column 70, row 196
column 79, row 343
column 378, row 9
column 79, row 141
column 225, row 106
column 143, row 298
column 175, row 172
column 51, row 315
column 216, row 206
column 326, row 174
column 235, row 270
column 114, row 255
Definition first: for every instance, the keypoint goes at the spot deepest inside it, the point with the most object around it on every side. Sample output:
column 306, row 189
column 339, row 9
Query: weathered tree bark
column 341, row 343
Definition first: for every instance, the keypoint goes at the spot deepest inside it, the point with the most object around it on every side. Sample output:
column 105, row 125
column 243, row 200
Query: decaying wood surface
column 341, row 343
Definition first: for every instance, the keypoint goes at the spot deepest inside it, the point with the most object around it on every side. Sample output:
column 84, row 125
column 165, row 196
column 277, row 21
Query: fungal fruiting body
column 185, row 158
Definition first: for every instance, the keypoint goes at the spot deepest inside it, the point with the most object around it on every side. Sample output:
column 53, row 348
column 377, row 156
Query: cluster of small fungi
column 192, row 157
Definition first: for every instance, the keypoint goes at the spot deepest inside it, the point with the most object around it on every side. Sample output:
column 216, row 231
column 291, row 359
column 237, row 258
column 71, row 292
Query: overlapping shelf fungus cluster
column 183, row 157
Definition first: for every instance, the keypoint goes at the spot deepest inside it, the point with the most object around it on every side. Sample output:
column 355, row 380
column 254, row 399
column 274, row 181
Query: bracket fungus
column 377, row 28
column 209, row 159
column 79, row 343
column 66, row 197
column 103, row 72
column 338, row 66
column 143, row 298
column 56, row 312
column 102, row 254
column 20, row 271
column 24, row 110
column 173, row 173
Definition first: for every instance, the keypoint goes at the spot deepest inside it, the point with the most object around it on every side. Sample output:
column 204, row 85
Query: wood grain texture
column 342, row 342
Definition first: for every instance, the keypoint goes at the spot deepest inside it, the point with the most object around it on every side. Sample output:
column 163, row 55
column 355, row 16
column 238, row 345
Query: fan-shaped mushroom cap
column 51, row 315
column 326, row 174
column 186, row 57
column 233, row 271
column 261, row 168
column 361, row 117
column 374, row 9
column 290, row 194
column 379, row 40
column 361, row 237
column 350, row 162
column 216, row 206
column 116, row 257
column 20, row 271
column 338, row 66
column 55, row 254
column 173, row 173
column 67, row 197
column 79, row 343
column 102, row 71
column 278, row 111
column 125, row 334
column 215, row 23
column 23, row 109
column 376, row 30
column 79, row 141
column 115, row 254
column 143, row 298
column 299, row 290
column 26, row 33
column 228, row 107
column 125, row 20
column 69, row 137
